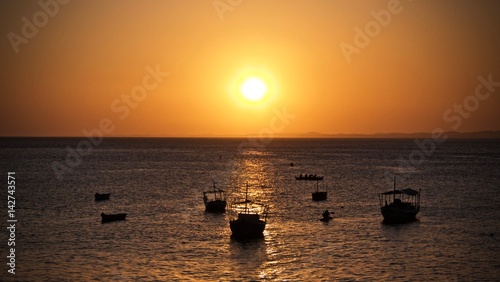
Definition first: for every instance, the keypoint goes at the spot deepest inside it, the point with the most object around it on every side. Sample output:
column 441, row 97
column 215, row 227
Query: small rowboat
column 112, row 217
column 102, row 197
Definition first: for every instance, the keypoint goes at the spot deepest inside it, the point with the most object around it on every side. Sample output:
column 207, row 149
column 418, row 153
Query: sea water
column 167, row 236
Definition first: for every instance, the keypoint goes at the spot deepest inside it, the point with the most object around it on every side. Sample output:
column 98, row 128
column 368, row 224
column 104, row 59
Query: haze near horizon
column 230, row 68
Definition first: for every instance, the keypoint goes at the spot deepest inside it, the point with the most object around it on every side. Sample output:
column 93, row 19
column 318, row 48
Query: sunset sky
column 176, row 68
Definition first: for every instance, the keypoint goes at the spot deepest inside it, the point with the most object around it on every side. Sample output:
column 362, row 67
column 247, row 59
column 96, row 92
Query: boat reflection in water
column 399, row 206
column 251, row 219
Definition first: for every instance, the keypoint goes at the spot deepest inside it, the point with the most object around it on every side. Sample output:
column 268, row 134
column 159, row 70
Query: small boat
column 249, row 223
column 102, row 197
column 326, row 216
column 112, row 217
column 399, row 206
column 319, row 195
column 215, row 201
column 309, row 177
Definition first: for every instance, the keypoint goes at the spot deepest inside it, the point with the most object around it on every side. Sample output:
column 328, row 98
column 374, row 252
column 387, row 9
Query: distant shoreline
column 314, row 135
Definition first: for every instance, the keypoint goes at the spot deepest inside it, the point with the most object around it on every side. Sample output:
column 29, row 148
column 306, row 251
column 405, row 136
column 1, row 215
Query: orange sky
column 406, row 76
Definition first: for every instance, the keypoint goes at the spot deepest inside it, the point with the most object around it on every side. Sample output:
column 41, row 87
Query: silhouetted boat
column 319, row 195
column 101, row 197
column 112, row 217
column 308, row 177
column 215, row 201
column 399, row 206
column 249, row 223
column 326, row 216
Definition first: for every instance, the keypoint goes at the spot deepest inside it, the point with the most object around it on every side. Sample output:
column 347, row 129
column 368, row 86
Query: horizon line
column 306, row 135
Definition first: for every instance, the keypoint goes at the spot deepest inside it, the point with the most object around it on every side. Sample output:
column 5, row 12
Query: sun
column 253, row 89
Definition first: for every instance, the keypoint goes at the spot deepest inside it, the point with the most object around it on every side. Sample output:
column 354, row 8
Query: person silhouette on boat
column 326, row 215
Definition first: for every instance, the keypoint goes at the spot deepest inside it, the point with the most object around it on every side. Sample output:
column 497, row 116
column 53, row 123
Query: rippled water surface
column 167, row 236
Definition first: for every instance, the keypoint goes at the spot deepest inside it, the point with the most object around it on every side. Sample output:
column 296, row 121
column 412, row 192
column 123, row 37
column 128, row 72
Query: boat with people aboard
column 112, row 217
column 215, row 201
column 102, row 197
column 399, row 206
column 309, row 177
column 251, row 219
column 327, row 216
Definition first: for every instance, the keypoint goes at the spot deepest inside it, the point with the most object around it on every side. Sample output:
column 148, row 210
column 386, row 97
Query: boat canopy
column 408, row 191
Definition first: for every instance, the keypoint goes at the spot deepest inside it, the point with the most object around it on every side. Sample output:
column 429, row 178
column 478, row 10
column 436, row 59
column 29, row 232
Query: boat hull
column 112, row 217
column 247, row 230
column 101, row 197
column 398, row 215
column 217, row 206
column 311, row 178
column 319, row 196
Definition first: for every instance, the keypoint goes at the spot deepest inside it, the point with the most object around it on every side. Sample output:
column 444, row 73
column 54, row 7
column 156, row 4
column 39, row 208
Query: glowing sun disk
column 253, row 89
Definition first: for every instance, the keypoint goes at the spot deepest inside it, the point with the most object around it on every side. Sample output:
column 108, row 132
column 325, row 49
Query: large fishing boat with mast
column 250, row 218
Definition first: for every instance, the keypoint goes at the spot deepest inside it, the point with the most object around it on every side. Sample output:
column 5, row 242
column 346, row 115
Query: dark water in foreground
column 168, row 237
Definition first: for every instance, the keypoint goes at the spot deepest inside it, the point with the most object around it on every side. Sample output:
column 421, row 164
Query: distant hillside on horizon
column 449, row 134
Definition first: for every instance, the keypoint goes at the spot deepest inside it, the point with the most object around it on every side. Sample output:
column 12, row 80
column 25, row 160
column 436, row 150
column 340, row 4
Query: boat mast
column 246, row 199
column 394, row 190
